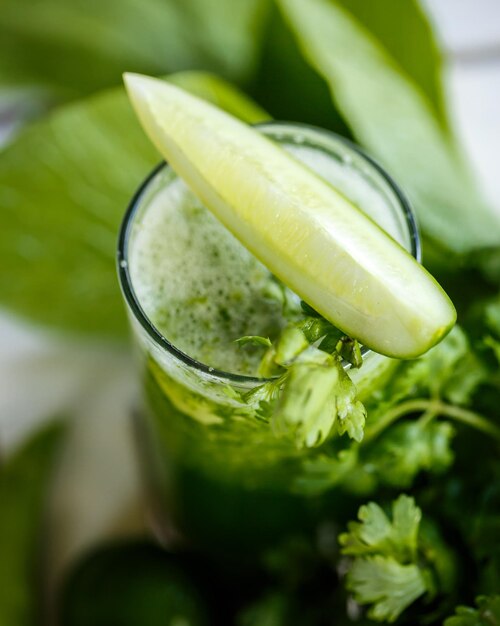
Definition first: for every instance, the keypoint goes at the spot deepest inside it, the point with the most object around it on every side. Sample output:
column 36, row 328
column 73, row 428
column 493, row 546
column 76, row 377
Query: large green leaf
column 395, row 113
column 74, row 47
column 64, row 186
column 287, row 86
column 408, row 36
column 23, row 483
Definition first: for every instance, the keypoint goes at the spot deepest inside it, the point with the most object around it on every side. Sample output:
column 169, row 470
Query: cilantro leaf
column 317, row 396
column 344, row 469
column 312, row 395
column 487, row 613
column 439, row 373
column 263, row 398
column 394, row 562
column 435, row 369
column 395, row 458
column 376, row 534
column 406, row 449
column 307, row 407
column 450, row 371
column 350, row 411
column 323, row 472
column 468, row 374
column 385, row 584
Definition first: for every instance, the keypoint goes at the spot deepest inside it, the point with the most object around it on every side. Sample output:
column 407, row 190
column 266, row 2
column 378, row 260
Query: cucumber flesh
column 304, row 230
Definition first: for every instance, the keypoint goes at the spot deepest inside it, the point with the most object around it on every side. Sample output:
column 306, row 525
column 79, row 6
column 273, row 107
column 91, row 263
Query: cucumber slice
column 305, row 231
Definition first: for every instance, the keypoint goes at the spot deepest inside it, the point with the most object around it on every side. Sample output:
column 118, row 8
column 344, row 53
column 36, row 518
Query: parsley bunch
column 432, row 430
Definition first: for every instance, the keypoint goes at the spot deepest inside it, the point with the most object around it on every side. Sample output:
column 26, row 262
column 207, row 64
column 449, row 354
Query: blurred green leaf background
column 371, row 71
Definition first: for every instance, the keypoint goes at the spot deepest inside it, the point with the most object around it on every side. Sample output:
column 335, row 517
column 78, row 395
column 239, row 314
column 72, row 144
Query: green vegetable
column 386, row 585
column 307, row 407
column 487, row 613
column 390, row 567
column 397, row 447
column 324, row 472
column 291, row 343
column 24, row 480
column 395, row 459
column 448, row 375
column 375, row 534
column 312, row 394
column 405, row 450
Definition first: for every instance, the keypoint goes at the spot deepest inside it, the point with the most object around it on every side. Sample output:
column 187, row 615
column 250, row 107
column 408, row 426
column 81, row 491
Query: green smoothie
column 224, row 479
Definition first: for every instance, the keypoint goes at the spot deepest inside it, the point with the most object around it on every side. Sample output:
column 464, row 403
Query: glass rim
column 125, row 279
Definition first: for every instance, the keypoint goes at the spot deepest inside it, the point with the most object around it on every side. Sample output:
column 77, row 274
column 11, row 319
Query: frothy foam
column 198, row 285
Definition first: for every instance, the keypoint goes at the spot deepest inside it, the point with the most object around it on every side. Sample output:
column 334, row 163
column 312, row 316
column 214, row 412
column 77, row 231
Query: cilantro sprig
column 311, row 395
column 391, row 565
column 414, row 419
column 417, row 420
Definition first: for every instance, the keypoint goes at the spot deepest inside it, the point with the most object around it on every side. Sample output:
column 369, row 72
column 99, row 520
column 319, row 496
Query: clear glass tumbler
column 223, row 481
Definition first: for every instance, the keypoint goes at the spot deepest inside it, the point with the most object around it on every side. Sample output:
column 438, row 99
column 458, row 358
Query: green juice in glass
column 220, row 477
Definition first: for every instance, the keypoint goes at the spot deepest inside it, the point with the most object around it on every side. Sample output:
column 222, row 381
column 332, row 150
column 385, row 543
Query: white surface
column 470, row 33
column 475, row 94
column 470, row 29
column 41, row 376
column 97, row 491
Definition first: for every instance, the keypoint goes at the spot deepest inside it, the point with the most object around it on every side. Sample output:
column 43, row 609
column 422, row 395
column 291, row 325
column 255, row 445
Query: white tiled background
column 41, row 376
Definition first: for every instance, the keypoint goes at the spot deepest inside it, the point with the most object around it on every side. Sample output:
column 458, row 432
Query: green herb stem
column 427, row 417
column 433, row 407
column 471, row 418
